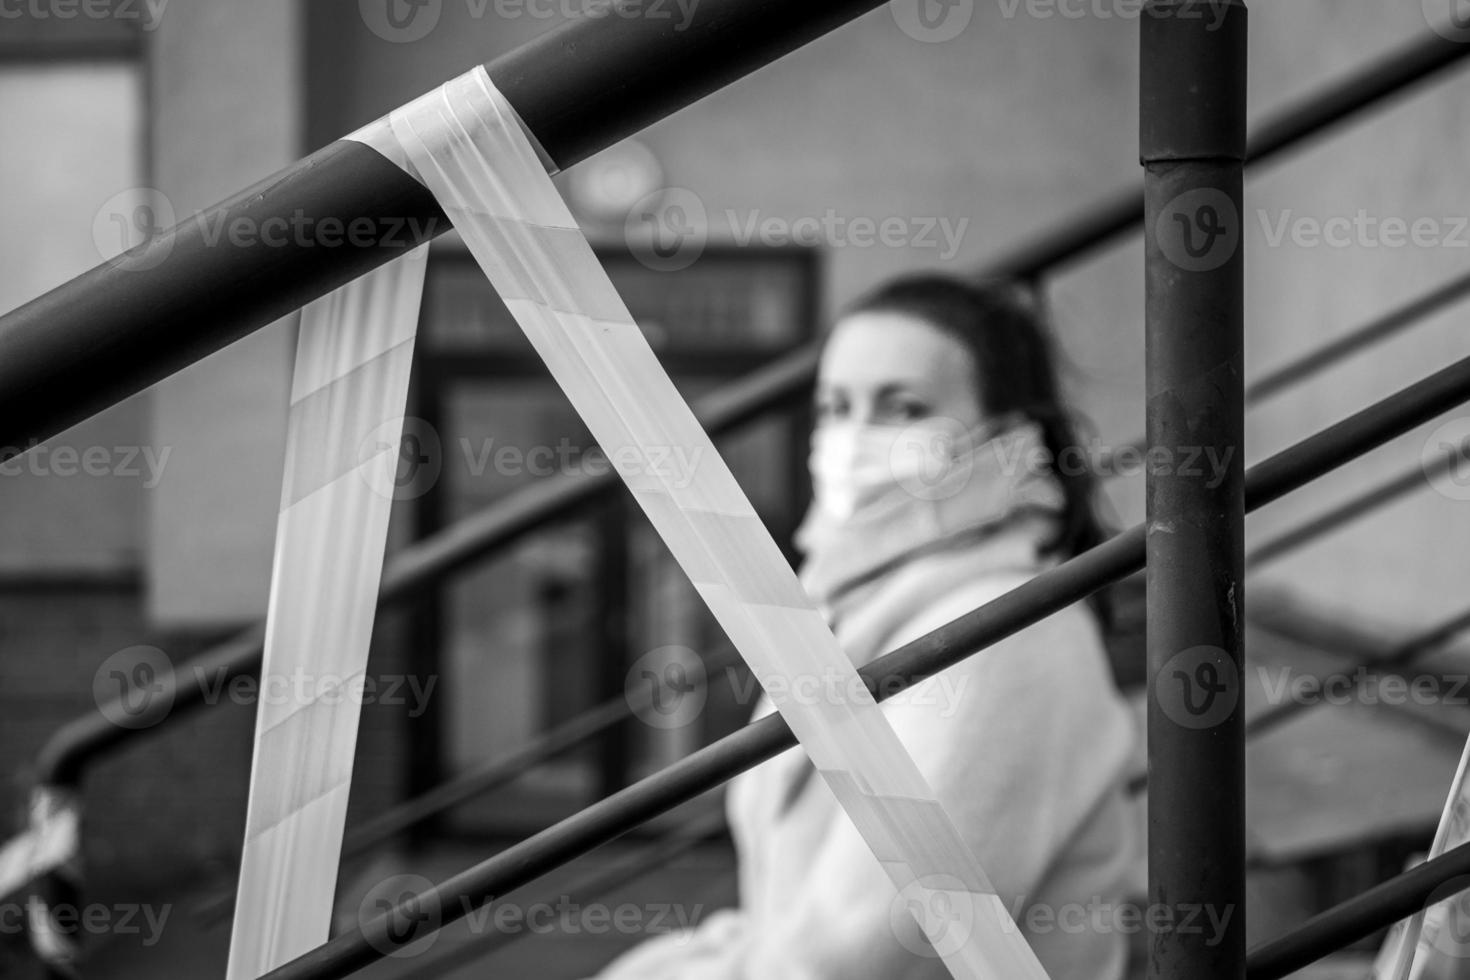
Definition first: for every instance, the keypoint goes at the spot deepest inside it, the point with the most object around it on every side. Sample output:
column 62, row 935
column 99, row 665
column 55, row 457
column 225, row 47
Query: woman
column 934, row 493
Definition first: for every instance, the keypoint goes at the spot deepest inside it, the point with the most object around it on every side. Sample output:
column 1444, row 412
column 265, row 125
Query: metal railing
column 115, row 330
column 1047, row 593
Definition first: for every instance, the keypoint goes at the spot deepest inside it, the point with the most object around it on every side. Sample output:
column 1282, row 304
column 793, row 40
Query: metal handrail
column 631, row 867
column 586, row 725
column 1362, row 915
column 430, row 561
column 1377, row 330
column 1047, row 593
column 63, row 758
column 115, row 330
column 1399, row 655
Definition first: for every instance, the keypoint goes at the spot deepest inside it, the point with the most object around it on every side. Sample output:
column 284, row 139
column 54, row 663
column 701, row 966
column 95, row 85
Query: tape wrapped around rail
column 466, row 144
column 342, row 455
column 51, row 844
column 51, row 839
column 1433, row 943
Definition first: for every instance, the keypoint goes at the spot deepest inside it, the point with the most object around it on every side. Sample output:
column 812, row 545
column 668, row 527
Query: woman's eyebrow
column 901, row 388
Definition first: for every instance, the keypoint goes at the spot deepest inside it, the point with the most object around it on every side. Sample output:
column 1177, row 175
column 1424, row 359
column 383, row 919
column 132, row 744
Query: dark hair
column 1001, row 324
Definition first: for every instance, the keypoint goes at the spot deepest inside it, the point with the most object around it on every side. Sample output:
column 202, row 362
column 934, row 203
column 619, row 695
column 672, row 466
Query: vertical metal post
column 1192, row 138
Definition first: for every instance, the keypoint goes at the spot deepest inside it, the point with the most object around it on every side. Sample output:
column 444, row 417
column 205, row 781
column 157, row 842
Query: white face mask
column 855, row 465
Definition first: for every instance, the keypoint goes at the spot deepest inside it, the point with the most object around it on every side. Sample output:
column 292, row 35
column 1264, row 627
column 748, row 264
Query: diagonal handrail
column 65, row 342
column 1047, row 593
column 428, row 562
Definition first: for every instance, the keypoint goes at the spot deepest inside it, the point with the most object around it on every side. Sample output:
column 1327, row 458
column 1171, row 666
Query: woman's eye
column 905, row 410
column 828, row 409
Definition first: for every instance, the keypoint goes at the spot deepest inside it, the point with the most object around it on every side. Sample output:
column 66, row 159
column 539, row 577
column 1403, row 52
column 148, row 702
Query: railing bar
column 1382, row 328
column 631, row 867
column 1052, row 590
column 487, row 776
column 409, row 571
column 424, row 563
column 1416, row 478
column 1294, row 372
column 1362, row 915
column 1402, row 655
column 1122, row 211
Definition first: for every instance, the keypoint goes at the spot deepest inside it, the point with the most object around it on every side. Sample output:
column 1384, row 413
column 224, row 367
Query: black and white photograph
column 734, row 489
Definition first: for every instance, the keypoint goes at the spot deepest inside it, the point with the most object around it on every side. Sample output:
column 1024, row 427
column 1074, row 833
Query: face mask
column 855, row 466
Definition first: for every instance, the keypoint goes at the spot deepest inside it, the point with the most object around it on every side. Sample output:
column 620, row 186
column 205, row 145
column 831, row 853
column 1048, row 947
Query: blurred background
column 734, row 230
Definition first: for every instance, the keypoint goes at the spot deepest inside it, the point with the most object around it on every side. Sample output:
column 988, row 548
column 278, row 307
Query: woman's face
column 881, row 368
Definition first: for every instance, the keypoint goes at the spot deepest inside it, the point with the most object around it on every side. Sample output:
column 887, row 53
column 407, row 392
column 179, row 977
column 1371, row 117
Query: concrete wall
column 226, row 108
